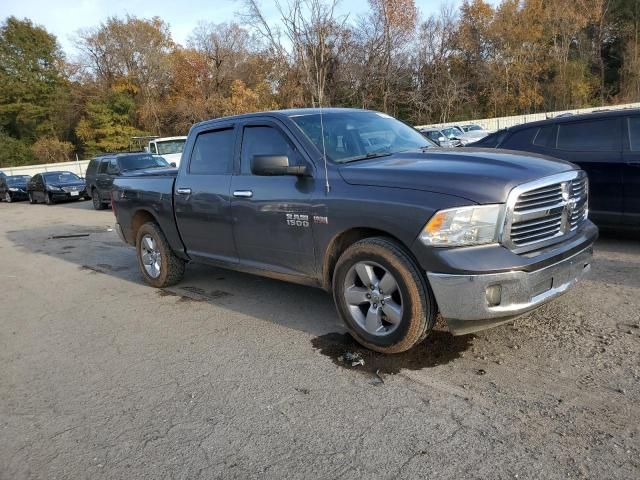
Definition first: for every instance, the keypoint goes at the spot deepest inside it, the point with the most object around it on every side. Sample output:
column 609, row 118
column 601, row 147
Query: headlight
column 51, row 188
column 11, row 189
column 456, row 227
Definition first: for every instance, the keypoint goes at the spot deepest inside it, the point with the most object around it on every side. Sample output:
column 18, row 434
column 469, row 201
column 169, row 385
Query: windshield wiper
column 368, row 156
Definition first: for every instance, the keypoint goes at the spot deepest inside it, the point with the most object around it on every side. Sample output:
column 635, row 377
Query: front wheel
column 32, row 200
column 382, row 296
column 7, row 197
column 48, row 199
column 160, row 267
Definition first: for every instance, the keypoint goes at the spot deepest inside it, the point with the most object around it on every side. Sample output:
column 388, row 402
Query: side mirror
column 173, row 164
column 268, row 165
column 146, row 149
column 442, row 139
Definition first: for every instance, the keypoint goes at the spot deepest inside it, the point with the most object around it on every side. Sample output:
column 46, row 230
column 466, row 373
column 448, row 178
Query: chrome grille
column 70, row 189
column 545, row 209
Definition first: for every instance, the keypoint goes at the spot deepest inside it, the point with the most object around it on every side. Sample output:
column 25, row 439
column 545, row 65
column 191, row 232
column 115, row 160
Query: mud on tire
column 171, row 266
column 418, row 303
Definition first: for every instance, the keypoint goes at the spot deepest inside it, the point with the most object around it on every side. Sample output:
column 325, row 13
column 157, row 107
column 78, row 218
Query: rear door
column 201, row 196
column 596, row 146
column 39, row 189
column 111, row 170
column 102, row 179
column 272, row 214
column 631, row 174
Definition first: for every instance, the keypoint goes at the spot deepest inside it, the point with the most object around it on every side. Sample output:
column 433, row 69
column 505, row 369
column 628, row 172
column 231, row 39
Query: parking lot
column 234, row 376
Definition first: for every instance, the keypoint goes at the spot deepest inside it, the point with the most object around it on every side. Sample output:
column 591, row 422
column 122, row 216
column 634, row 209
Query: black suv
column 605, row 144
column 13, row 187
column 102, row 171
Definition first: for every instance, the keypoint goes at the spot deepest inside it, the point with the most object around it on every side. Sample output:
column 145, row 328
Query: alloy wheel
column 373, row 298
column 151, row 256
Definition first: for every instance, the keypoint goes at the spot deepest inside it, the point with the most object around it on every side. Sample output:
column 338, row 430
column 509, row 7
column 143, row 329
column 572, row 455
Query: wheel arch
column 343, row 240
column 139, row 218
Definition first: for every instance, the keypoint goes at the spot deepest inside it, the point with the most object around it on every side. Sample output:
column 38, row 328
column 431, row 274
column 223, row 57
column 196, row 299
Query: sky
column 64, row 18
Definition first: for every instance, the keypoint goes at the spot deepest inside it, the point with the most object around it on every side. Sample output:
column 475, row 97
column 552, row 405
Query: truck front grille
column 546, row 209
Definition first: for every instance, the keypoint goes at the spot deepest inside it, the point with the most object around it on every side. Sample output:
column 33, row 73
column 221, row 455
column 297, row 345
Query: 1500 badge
column 297, row 220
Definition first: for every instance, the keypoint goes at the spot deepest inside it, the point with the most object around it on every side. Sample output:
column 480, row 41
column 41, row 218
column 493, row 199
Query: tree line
column 130, row 78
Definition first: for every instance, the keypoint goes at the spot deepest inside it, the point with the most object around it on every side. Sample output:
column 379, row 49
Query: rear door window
column 103, row 166
column 213, row 153
column 595, row 135
column 634, row 134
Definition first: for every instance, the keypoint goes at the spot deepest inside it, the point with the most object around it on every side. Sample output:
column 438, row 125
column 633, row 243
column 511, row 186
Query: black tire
column 32, row 200
column 171, row 266
column 419, row 306
column 98, row 204
column 48, row 200
column 7, row 197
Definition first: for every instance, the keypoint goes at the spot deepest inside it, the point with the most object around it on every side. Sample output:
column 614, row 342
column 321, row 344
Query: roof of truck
column 292, row 112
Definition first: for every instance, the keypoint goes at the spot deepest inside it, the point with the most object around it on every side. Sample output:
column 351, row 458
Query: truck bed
column 149, row 191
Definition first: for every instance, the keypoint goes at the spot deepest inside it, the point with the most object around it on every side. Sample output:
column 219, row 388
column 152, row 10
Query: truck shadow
column 617, row 259
column 98, row 251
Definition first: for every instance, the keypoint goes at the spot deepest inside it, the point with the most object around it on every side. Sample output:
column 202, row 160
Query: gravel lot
column 233, row 376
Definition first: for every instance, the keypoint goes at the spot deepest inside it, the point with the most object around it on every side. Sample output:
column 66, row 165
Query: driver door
column 272, row 224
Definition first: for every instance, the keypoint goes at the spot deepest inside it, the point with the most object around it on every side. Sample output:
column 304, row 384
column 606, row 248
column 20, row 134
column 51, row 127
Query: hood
column 157, row 172
column 476, row 174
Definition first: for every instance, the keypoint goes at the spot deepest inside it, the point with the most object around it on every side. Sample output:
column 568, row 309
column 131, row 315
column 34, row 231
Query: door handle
column 183, row 191
column 243, row 193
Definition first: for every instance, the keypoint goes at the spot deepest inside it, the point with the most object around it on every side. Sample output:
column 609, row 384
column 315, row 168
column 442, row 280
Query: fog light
column 494, row 295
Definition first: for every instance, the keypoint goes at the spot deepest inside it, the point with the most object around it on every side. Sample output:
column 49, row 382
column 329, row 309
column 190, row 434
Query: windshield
column 356, row 135
column 170, row 146
column 452, row 132
column 61, row 177
column 17, row 180
column 472, row 128
column 140, row 162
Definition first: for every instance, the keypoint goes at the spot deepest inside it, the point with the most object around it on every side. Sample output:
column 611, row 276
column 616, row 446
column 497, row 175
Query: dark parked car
column 13, row 187
column 606, row 145
column 395, row 228
column 52, row 187
column 101, row 172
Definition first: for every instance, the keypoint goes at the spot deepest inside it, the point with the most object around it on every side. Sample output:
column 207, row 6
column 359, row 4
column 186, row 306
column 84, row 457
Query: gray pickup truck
column 363, row 206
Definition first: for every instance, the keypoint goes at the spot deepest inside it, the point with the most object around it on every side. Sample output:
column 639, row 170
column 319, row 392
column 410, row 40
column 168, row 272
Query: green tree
column 31, row 80
column 108, row 123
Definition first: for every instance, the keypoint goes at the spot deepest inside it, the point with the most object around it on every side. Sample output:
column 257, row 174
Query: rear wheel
column 7, row 197
column 98, row 204
column 382, row 296
column 160, row 267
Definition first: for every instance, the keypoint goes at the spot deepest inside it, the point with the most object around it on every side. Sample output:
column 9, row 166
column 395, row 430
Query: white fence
column 505, row 122
column 79, row 168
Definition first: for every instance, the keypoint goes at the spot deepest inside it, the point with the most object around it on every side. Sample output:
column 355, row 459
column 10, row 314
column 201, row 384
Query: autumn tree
column 313, row 40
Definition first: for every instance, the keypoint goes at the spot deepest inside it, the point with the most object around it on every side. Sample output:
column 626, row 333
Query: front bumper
column 57, row 196
column 464, row 303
